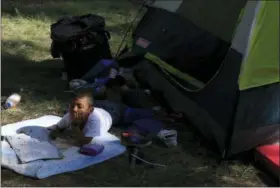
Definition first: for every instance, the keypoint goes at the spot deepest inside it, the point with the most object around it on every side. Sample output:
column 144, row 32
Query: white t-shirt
column 98, row 123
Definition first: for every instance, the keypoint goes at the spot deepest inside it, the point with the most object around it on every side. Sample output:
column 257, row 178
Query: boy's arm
column 85, row 135
column 55, row 131
column 80, row 137
column 60, row 126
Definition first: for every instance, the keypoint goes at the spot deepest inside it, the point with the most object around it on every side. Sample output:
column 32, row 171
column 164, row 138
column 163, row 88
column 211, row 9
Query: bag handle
column 81, row 23
column 75, row 20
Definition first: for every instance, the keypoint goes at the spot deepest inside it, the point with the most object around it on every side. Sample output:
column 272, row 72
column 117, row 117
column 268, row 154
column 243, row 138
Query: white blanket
column 72, row 160
column 29, row 149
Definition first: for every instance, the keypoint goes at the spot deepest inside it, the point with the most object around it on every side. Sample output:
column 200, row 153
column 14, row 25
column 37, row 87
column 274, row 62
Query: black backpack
column 81, row 41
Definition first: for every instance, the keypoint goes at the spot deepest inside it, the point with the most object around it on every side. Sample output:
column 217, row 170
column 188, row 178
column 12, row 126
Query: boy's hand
column 73, row 132
column 78, row 136
column 75, row 128
column 54, row 134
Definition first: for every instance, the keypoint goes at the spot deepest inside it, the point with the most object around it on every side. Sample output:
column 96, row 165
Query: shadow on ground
column 20, row 74
column 38, row 83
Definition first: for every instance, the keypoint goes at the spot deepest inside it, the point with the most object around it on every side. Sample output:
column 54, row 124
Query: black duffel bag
column 81, row 41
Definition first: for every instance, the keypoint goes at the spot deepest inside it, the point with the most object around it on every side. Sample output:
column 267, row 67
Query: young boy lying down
column 83, row 121
column 86, row 122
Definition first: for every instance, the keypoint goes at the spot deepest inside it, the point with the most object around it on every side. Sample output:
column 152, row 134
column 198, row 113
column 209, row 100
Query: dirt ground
column 28, row 68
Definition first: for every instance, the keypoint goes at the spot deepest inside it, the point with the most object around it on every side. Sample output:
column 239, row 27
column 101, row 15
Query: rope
column 154, row 164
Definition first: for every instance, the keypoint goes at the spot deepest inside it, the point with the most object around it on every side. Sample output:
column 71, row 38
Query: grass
column 28, row 68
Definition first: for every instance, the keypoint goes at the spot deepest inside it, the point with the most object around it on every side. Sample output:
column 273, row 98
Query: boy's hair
column 84, row 92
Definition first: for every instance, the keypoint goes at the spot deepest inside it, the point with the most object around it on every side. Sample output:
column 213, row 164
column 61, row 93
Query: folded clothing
column 30, row 149
column 100, row 69
column 132, row 114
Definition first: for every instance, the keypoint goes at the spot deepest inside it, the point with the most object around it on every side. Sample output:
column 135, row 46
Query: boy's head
column 81, row 105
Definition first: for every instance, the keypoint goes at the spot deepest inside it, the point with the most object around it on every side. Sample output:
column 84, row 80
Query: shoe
column 113, row 73
column 169, row 137
column 76, row 84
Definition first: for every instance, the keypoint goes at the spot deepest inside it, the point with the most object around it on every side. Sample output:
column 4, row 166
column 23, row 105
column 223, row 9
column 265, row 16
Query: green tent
column 217, row 62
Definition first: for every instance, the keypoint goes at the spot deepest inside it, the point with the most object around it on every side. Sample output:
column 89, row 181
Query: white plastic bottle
column 12, row 101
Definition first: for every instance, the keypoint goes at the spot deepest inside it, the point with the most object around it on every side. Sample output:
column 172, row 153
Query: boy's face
column 80, row 109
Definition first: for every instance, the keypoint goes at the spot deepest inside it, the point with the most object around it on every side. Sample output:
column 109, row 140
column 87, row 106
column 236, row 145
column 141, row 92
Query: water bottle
column 12, row 101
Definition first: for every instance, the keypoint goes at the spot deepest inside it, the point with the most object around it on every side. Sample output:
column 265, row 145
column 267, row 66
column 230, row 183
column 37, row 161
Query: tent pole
column 231, row 129
column 128, row 29
column 224, row 156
